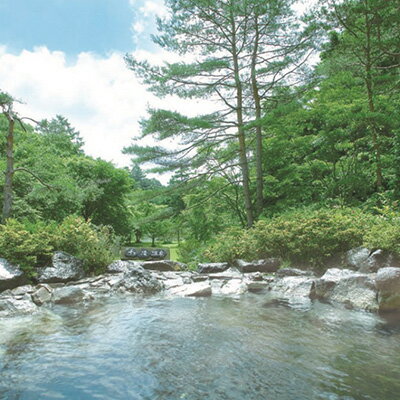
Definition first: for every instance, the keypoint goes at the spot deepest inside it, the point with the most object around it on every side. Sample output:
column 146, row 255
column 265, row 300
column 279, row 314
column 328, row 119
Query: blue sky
column 72, row 26
column 66, row 57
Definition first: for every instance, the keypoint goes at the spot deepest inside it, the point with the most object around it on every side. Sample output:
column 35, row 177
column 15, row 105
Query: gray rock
column 122, row 266
column 10, row 276
column 12, row 307
column 64, row 268
column 293, row 272
column 230, row 273
column 42, row 295
column 162, row 265
column 197, row 289
column 67, row 295
column 138, row 280
column 268, row 265
column 199, row 278
column 388, row 284
column 367, row 261
column 292, row 286
column 229, row 287
column 353, row 289
column 210, row 268
column 22, row 290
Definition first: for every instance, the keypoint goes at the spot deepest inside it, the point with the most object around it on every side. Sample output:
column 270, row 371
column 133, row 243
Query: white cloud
column 153, row 7
column 138, row 27
column 101, row 97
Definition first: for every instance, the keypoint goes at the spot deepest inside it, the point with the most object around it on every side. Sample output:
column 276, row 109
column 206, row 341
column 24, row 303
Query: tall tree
column 7, row 110
column 232, row 66
column 367, row 43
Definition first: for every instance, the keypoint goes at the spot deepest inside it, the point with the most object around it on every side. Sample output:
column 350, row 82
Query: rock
column 22, row 290
column 210, row 268
column 122, row 266
column 268, row 265
column 293, row 272
column 353, row 289
column 230, row 273
column 162, row 265
column 10, row 276
column 367, row 261
column 12, row 307
column 358, row 257
column 64, row 268
column 292, row 286
column 139, row 280
column 199, row 278
column 67, row 295
column 198, row 289
column 42, row 295
column 388, row 284
column 257, row 286
column 230, row 287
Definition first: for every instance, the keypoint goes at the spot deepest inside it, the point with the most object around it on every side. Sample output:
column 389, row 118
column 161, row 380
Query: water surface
column 250, row 348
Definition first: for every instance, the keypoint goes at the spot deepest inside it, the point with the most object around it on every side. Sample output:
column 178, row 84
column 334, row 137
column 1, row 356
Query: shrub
column 302, row 236
column 30, row 245
column 232, row 244
column 191, row 252
column 25, row 247
column 96, row 246
column 384, row 234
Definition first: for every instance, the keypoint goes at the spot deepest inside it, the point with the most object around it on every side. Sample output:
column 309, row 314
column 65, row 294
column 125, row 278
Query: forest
column 299, row 158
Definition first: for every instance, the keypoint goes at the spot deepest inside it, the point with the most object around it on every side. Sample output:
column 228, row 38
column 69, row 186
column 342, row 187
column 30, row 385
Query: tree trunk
column 8, row 184
column 244, row 165
column 257, row 105
column 371, row 104
column 138, row 235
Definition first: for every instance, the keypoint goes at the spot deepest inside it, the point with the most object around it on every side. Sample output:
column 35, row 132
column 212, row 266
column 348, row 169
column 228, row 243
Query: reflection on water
column 214, row 348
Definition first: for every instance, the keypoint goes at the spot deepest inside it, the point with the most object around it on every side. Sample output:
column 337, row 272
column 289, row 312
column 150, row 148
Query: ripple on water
column 213, row 348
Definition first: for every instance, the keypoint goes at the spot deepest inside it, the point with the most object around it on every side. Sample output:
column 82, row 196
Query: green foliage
column 191, row 252
column 302, row 236
column 25, row 245
column 97, row 246
column 31, row 245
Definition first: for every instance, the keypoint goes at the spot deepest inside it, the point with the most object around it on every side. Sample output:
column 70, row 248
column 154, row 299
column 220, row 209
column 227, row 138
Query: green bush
column 96, row 246
column 302, row 236
column 384, row 234
column 191, row 252
column 31, row 245
column 25, row 246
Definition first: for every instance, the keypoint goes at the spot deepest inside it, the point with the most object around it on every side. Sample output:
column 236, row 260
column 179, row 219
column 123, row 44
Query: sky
column 66, row 57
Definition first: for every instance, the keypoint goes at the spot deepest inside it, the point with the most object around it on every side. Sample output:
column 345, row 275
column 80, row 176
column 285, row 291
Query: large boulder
column 138, row 280
column 122, row 266
column 388, row 284
column 292, row 287
column 367, row 261
column 42, row 295
column 212, row 268
column 67, row 295
column 162, row 265
column 293, row 272
column 353, row 289
column 197, row 289
column 268, row 265
column 11, row 306
column 10, row 276
column 64, row 268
